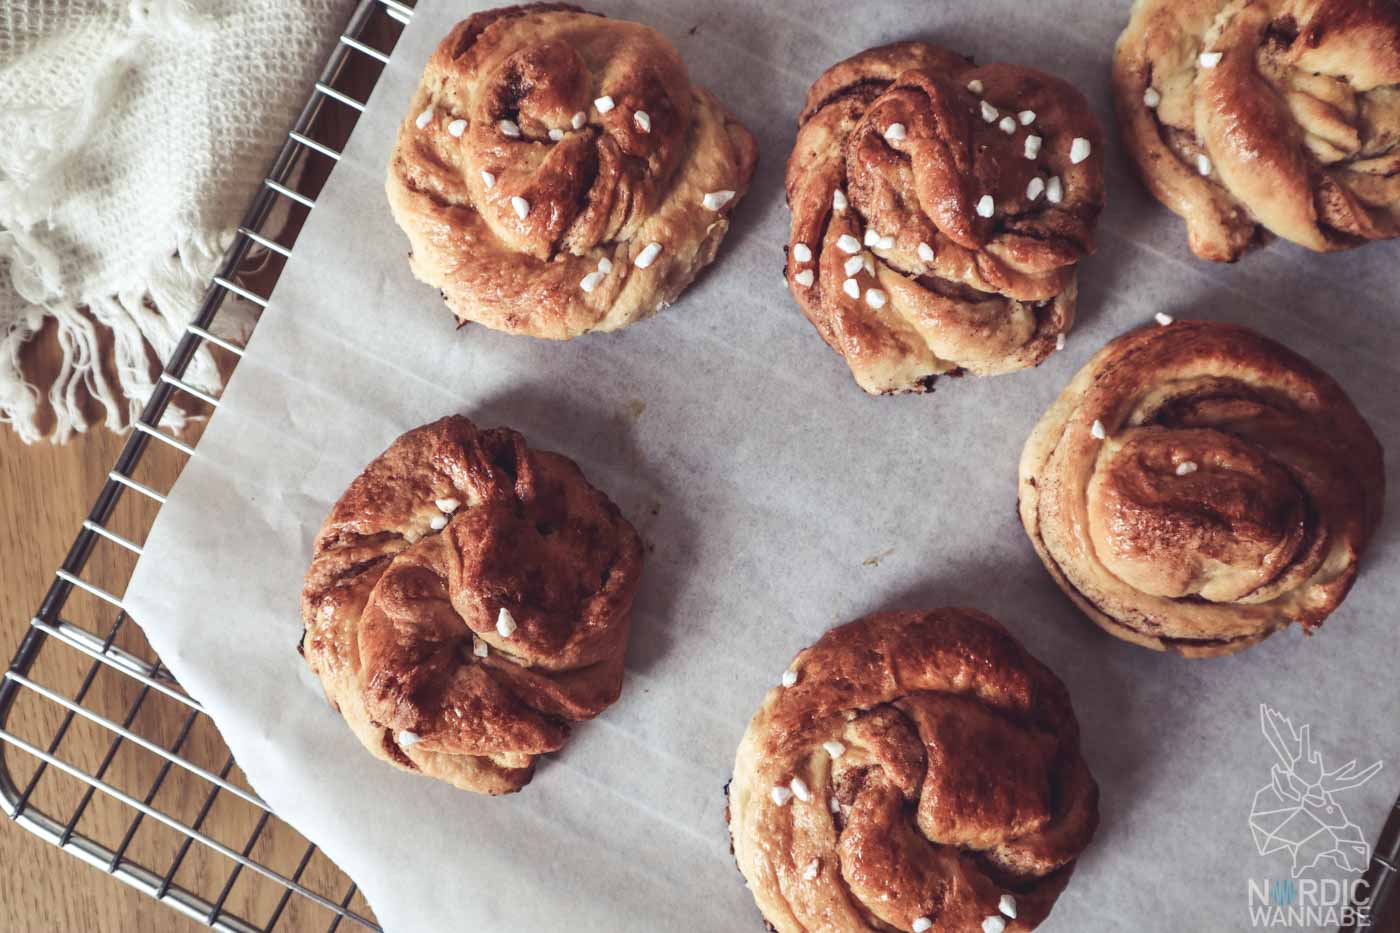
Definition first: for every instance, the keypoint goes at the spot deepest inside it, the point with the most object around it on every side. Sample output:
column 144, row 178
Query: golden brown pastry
column 939, row 210
column 558, row 173
column 919, row 771
column 468, row 599
column 1198, row 486
column 1267, row 116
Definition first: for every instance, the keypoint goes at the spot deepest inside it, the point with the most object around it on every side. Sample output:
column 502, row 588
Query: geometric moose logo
column 1298, row 810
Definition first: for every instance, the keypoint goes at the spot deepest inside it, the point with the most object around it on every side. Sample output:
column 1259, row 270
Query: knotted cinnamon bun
column 558, row 173
column 921, row 771
column 939, row 210
column 468, row 599
column 1273, row 115
column 1198, row 486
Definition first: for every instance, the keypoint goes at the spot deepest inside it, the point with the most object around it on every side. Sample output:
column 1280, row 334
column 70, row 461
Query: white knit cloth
column 132, row 136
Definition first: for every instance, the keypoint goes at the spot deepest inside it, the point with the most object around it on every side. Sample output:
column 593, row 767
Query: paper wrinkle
column 761, row 479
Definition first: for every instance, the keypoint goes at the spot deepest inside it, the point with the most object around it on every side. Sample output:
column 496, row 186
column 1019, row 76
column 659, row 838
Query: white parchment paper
column 776, row 500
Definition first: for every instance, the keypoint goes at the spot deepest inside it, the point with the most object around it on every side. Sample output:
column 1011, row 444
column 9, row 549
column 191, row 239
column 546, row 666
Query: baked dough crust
column 511, row 223
column 961, row 291
column 1234, row 490
column 957, row 780
column 1298, row 121
column 402, row 618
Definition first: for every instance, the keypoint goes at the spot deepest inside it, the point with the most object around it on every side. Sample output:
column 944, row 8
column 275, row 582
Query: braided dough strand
column 939, row 241
column 462, row 643
column 942, row 769
column 1232, row 490
column 1266, row 116
column 527, row 202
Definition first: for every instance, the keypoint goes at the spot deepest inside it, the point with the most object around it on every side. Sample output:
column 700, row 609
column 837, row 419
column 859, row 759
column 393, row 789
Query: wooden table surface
column 47, row 491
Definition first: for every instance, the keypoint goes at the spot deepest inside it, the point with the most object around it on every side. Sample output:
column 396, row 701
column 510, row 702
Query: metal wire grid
column 55, row 789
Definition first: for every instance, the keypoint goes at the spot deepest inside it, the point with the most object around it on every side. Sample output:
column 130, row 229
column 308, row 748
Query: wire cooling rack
column 118, row 765
column 101, row 752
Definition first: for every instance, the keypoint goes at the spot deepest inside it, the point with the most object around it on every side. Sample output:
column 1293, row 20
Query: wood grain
column 47, row 492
